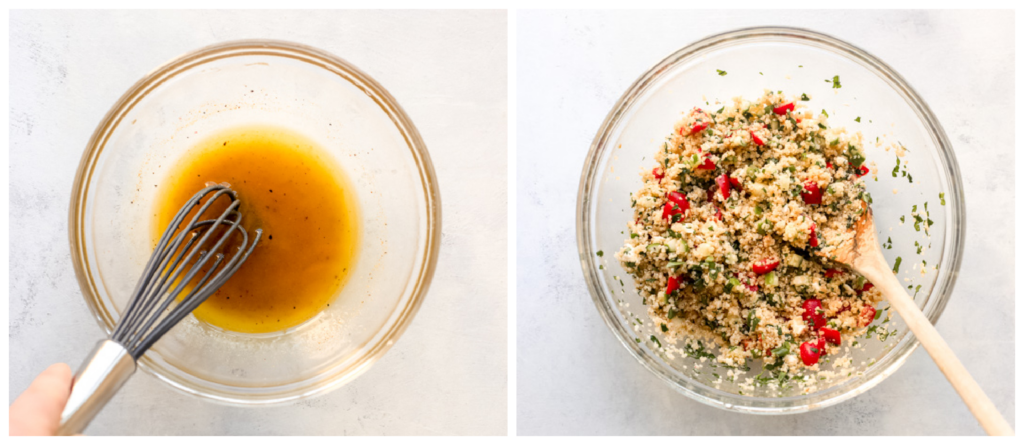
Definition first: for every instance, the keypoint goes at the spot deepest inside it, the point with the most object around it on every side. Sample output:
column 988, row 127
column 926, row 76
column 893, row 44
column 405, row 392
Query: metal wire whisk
column 184, row 270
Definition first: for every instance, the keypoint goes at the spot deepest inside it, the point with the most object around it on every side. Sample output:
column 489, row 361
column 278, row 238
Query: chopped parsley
column 896, row 267
column 721, row 73
column 835, row 82
column 600, row 253
column 857, row 119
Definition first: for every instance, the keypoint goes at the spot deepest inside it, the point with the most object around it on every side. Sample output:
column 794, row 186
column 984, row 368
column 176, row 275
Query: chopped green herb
column 857, row 119
column 896, row 267
column 804, row 97
column 600, row 253
column 655, row 340
column 942, row 198
column 721, row 73
column 824, row 112
column 664, row 328
column 835, row 82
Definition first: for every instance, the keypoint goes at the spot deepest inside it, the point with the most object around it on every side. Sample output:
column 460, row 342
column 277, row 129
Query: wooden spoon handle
column 975, row 399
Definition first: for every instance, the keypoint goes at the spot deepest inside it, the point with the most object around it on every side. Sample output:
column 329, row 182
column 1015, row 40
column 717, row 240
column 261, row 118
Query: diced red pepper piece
column 723, row 185
column 736, row 183
column 711, row 193
column 832, row 336
column 810, row 353
column 680, row 199
column 812, row 194
column 867, row 287
column 753, row 288
column 812, row 315
column 698, row 127
column 707, row 165
column 783, row 109
column 812, row 239
column 673, row 284
column 867, row 315
column 658, row 173
column 718, row 213
column 811, row 305
column 764, row 265
column 863, row 170
column 757, row 141
column 676, row 205
column 821, row 346
column 829, row 165
column 832, row 272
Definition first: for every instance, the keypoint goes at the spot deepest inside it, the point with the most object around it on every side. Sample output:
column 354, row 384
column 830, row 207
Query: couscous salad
column 731, row 232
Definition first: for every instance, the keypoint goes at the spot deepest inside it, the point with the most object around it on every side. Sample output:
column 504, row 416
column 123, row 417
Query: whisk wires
column 182, row 272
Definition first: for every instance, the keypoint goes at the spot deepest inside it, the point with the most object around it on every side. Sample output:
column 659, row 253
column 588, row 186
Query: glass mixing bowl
column 795, row 61
column 310, row 92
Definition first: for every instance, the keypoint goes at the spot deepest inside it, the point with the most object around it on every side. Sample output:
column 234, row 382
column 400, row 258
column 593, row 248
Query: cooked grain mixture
column 730, row 232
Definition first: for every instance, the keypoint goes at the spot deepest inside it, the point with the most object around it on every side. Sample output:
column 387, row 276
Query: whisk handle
column 102, row 374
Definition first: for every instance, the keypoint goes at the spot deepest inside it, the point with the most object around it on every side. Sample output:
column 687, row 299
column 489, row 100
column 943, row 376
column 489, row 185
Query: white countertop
column 446, row 375
column 573, row 376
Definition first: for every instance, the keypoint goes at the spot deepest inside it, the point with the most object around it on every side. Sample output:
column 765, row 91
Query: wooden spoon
column 862, row 253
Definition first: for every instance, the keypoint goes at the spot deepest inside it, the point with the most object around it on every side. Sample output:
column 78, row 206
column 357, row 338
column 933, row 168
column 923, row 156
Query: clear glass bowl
column 310, row 92
column 795, row 61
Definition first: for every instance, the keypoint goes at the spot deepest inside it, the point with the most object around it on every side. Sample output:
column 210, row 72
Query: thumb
column 36, row 412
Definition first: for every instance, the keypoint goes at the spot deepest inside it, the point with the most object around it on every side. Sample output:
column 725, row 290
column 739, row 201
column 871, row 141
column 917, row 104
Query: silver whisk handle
column 102, row 374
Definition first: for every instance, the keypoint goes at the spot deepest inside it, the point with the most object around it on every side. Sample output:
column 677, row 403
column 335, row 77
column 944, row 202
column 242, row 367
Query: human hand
column 36, row 412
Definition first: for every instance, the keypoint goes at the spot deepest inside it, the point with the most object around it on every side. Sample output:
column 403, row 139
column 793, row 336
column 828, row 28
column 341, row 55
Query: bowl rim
column 427, row 260
column 948, row 164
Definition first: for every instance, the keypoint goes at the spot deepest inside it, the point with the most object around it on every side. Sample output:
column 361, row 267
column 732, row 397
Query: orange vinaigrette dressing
column 306, row 207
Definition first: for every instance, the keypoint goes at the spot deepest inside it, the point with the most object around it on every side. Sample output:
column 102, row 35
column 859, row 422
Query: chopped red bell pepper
column 867, row 315
column 812, row 239
column 718, row 213
column 812, row 195
column 832, row 336
column 723, row 185
column 698, row 127
column 673, row 284
column 783, row 109
column 764, row 265
column 707, row 165
column 736, row 183
column 676, row 205
column 757, row 141
column 867, row 287
column 680, row 199
column 812, row 315
column 832, row 272
column 863, row 170
column 829, row 165
column 810, row 353
column 658, row 173
column 821, row 345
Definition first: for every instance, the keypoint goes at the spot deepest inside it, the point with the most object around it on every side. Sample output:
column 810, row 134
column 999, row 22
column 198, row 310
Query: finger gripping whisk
column 188, row 265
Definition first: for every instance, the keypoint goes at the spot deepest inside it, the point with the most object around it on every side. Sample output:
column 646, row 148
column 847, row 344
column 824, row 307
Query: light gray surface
column 448, row 70
column 573, row 375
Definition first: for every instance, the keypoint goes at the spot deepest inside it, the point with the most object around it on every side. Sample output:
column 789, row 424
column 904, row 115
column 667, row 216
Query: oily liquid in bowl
column 289, row 187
